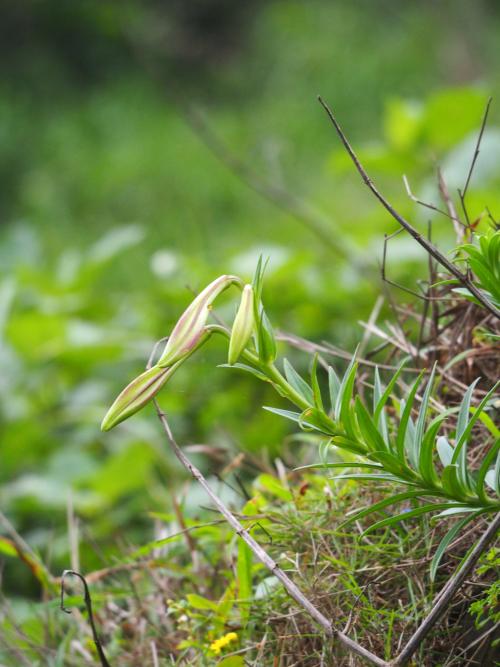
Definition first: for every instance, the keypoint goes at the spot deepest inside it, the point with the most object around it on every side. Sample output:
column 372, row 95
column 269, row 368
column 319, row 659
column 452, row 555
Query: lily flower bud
column 243, row 325
column 191, row 325
column 141, row 390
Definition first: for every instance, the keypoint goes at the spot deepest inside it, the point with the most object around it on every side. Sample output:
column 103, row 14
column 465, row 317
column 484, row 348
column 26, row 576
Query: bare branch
column 463, row 193
column 447, row 593
column 428, row 205
column 419, row 238
column 445, row 195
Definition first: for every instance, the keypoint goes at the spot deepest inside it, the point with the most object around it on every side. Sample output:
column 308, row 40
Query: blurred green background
column 122, row 129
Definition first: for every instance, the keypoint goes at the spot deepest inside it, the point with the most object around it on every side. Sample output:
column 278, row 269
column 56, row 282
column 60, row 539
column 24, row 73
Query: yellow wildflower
column 217, row 645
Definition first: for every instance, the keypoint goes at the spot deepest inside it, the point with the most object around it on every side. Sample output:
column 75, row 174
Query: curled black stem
column 88, row 605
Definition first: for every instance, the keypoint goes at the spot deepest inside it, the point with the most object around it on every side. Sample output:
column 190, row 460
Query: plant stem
column 444, row 598
column 291, row 588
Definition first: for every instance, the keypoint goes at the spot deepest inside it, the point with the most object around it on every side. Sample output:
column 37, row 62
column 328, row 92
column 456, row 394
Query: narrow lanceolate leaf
column 369, row 431
column 497, row 475
column 334, row 388
column 258, row 278
column 426, row 462
column 135, row 396
column 243, row 325
column 448, row 539
column 405, row 419
column 422, row 417
column 346, row 464
column 288, row 414
column 410, row 514
column 462, row 421
column 297, row 382
column 379, row 417
column 191, row 325
column 491, row 454
column 382, row 504
column 452, row 483
column 266, row 341
column 444, row 450
column 344, row 401
column 318, row 401
column 461, row 442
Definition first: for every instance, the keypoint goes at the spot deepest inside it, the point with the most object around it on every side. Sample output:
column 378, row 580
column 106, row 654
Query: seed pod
column 243, row 325
column 191, row 325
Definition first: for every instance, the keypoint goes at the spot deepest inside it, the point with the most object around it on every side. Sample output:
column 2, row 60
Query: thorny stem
column 419, row 238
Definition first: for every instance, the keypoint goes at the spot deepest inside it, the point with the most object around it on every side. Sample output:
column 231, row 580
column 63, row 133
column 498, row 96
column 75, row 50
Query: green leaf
column 298, row 383
column 483, row 470
column 334, row 388
column 199, row 602
column 460, row 456
column 266, row 341
column 461, row 442
column 405, row 418
column 452, row 483
column 384, row 397
column 344, row 400
column 318, row 401
column 421, row 419
column 349, row 445
column 426, row 463
column 258, row 278
column 293, row 416
column 244, row 579
column 319, row 466
column 232, row 661
column 383, row 477
column 248, row 369
column 497, row 475
column 447, row 539
column 318, row 420
column 371, row 436
column 444, row 450
column 382, row 504
column 379, row 417
column 392, row 464
column 410, row 514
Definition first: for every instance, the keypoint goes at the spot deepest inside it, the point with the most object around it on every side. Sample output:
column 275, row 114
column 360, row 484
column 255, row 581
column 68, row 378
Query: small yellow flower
column 217, row 645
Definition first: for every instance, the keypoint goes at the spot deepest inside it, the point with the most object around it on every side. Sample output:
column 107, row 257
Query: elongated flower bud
column 137, row 394
column 243, row 325
column 191, row 325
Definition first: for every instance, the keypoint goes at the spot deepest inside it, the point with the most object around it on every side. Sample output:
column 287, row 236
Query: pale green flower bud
column 137, row 394
column 191, row 325
column 243, row 325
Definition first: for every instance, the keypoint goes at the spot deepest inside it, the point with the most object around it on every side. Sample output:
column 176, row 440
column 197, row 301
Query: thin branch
column 428, row 205
column 88, row 605
column 419, row 238
column 448, row 201
column 463, row 193
column 446, row 595
column 260, row 553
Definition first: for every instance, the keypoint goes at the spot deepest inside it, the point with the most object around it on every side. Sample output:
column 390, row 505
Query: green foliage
column 482, row 257
column 487, row 608
column 401, row 452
